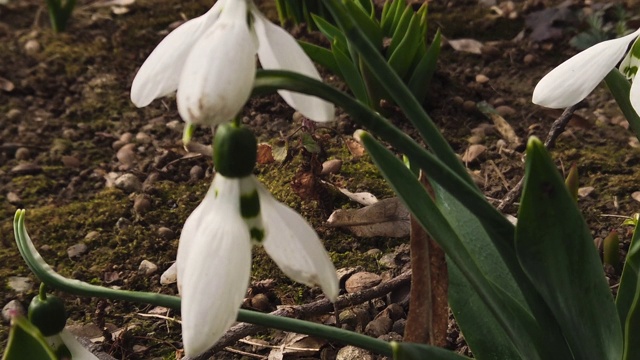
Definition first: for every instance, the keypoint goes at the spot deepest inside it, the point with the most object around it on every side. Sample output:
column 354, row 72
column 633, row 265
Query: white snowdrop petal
column 218, row 74
column 159, row 75
column 279, row 50
column 574, row 79
column 78, row 352
column 214, row 271
column 295, row 247
column 634, row 95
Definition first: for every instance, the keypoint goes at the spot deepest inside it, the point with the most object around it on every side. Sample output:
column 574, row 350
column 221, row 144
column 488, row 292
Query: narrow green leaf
column 386, row 20
column 402, row 56
column 350, row 72
column 369, row 26
column 423, row 72
column 400, row 31
column 410, row 351
column 26, row 342
column 632, row 329
column 619, row 87
column 555, row 248
column 322, row 56
column 326, row 28
column 628, row 294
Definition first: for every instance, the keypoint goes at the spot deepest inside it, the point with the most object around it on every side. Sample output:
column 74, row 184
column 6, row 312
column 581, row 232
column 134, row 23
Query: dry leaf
column 355, row 148
column 636, row 195
column 280, row 151
column 388, row 217
column 501, row 125
column 585, row 191
column 265, row 154
column 467, row 45
column 473, row 152
column 364, row 198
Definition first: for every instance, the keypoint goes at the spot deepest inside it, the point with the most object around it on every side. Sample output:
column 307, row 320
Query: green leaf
column 400, row 30
column 386, row 20
column 369, row 26
column 326, row 28
column 410, row 351
column 627, row 300
column 555, row 248
column 309, row 144
column 422, row 74
column 322, row 56
column 350, row 72
column 619, row 87
column 402, row 56
column 26, row 342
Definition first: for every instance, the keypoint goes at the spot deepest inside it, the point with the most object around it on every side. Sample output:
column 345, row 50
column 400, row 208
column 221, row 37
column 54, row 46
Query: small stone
column 11, row 309
column 362, row 281
column 505, row 111
column 147, row 268
column 261, row 302
column 332, row 166
column 196, row 173
column 123, row 223
column 26, row 169
column 469, row 106
column 126, row 137
column 166, row 233
column 126, row 155
column 13, row 114
column 13, row 198
column 23, row 154
column 75, row 251
column 353, row 353
column 373, row 252
column 481, row 79
column 91, row 235
column 175, row 125
column 32, row 47
column 143, row 138
column 141, row 204
column 20, row 284
column 170, row 275
column 128, row 183
column 71, row 161
column 379, row 326
column 393, row 311
column 529, row 59
column 475, row 139
column 398, row 326
column 388, row 261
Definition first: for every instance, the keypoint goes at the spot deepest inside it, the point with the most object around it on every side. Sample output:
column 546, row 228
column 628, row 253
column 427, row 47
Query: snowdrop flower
column 574, row 79
column 210, row 61
column 75, row 349
column 214, row 253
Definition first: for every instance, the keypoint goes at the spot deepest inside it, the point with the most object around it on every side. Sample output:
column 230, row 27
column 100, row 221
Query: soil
column 69, row 131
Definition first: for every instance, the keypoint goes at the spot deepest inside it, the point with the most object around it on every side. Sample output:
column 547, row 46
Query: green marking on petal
column 257, row 234
column 250, row 205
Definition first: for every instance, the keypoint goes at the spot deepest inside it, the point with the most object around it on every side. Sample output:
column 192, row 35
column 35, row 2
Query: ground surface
column 68, row 131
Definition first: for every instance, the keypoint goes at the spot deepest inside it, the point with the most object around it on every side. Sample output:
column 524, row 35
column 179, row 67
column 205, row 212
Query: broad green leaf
column 423, row 72
column 350, row 72
column 555, row 248
column 321, row 56
column 402, row 57
column 627, row 298
column 309, row 144
column 26, row 342
column 620, row 87
column 411, row 351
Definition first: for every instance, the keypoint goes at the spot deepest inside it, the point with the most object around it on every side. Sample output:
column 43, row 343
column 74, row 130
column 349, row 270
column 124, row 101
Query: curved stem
column 48, row 276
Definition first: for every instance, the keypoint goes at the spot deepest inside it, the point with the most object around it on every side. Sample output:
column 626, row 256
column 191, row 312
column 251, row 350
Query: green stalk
column 620, row 88
column 48, row 276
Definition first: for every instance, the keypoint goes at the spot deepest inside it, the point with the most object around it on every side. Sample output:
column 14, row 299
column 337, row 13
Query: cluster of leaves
column 604, row 24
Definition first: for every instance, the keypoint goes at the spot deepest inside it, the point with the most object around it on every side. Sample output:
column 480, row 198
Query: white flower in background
column 214, row 255
column 67, row 339
column 210, row 61
column 574, row 79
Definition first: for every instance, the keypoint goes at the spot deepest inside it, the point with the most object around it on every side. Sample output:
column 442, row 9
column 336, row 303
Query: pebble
column 32, row 47
column 26, row 169
column 13, row 198
column 379, row 326
column 398, row 326
column 20, row 284
column 196, row 173
column 13, row 114
column 170, row 275
column 373, row 252
column 128, row 183
column 143, row 138
column 147, row 267
column 481, row 78
column 261, row 302
column 141, row 204
column 71, row 161
column 505, row 111
column 166, row 233
column 126, row 137
column 11, row 309
column 332, row 166
column 529, row 59
column 126, row 155
column 175, row 125
column 353, row 353
column 122, row 223
column 75, row 251
column 469, row 106
column 91, row 235
column 23, row 154
column 362, row 281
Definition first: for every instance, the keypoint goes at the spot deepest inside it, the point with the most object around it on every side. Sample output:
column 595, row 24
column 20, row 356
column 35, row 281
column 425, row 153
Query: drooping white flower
column 214, row 255
column 574, row 79
column 68, row 340
column 210, row 61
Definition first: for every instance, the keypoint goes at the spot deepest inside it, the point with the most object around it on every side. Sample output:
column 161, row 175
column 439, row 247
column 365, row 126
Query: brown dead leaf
column 355, row 148
column 467, row 45
column 473, row 152
column 501, row 125
column 388, row 217
column 265, row 154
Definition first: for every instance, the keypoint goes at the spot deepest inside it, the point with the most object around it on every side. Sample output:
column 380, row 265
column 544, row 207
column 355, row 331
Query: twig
column 557, row 128
column 322, row 306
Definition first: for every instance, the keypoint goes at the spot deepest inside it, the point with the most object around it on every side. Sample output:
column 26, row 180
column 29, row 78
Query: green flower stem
column 397, row 89
column 48, row 276
column 268, row 81
column 620, row 87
